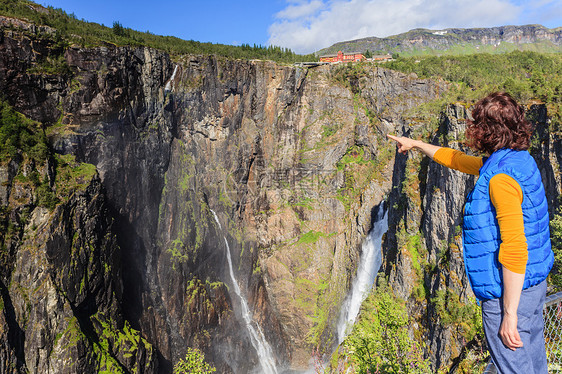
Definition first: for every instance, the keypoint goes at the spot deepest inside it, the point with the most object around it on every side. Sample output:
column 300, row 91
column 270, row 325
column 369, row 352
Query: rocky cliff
column 131, row 268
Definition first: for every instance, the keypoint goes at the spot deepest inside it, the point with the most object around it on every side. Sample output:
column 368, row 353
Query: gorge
column 175, row 160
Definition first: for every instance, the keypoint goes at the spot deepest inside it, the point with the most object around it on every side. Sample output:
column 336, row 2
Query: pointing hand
column 404, row 144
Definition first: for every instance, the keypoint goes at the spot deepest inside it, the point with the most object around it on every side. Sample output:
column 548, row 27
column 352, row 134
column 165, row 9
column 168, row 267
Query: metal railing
column 553, row 331
column 552, row 313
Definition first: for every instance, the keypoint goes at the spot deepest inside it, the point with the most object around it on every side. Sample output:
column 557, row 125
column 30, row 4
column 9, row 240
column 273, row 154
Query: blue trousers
column 531, row 358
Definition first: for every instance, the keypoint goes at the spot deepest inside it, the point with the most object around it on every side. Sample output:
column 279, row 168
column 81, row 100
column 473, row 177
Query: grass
column 72, row 176
column 310, row 237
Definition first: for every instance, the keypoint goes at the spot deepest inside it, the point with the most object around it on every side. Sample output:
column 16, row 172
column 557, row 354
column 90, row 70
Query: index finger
column 392, row 137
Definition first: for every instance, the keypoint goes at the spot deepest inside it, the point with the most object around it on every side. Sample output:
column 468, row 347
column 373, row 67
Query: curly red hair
column 498, row 122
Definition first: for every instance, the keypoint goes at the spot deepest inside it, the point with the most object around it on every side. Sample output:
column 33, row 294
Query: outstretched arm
column 405, row 144
column 448, row 157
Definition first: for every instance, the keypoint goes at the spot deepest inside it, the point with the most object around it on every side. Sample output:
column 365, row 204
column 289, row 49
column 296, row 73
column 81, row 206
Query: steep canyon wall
column 131, row 270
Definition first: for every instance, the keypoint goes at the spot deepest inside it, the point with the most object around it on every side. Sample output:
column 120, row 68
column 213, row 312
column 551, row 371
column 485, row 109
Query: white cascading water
column 369, row 265
column 170, row 84
column 262, row 347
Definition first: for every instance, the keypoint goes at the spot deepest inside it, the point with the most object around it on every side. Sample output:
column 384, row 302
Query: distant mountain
column 458, row 41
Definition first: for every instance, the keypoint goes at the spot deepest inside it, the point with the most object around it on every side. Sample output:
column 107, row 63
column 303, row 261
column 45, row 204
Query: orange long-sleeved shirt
column 507, row 197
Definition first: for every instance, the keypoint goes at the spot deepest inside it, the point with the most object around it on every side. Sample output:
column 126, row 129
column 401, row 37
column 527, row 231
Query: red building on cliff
column 343, row 57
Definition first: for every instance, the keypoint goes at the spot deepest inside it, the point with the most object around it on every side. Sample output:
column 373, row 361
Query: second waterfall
column 260, row 344
column 367, row 270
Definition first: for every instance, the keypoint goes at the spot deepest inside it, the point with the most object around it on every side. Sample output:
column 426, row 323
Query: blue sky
column 217, row 21
column 307, row 25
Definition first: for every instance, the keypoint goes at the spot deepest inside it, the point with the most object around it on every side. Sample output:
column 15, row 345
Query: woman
column 506, row 237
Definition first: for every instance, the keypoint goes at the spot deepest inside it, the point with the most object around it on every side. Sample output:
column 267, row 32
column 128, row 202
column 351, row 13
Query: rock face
column 510, row 37
column 131, row 270
column 62, row 290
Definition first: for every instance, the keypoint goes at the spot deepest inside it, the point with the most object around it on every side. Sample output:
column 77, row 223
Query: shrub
column 194, row 362
column 46, row 197
column 118, row 29
column 379, row 342
column 19, row 134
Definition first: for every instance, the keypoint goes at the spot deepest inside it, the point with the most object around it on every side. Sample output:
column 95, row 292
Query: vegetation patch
column 417, row 252
column 19, row 134
column 72, row 175
column 310, row 237
column 178, row 252
column 55, row 65
column 466, row 317
column 304, row 202
column 194, row 362
column 25, row 139
column 411, row 182
column 348, row 75
column 359, row 168
column 379, row 341
column 116, row 342
column 306, row 294
column 525, row 75
column 329, row 130
column 198, row 294
column 323, row 329
column 354, row 155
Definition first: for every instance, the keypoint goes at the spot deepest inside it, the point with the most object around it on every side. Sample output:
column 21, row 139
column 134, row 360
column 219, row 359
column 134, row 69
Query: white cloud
column 300, row 10
column 308, row 25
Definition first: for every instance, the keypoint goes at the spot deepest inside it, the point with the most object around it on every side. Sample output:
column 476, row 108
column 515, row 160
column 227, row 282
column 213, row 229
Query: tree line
column 525, row 75
column 72, row 30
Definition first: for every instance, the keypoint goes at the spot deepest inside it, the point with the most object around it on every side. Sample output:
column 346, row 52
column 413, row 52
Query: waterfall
column 262, row 347
column 369, row 265
column 170, row 84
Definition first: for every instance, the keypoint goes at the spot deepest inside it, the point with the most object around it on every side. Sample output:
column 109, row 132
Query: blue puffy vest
column 481, row 234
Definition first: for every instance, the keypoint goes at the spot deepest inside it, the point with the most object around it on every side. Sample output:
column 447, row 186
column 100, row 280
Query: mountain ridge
column 421, row 41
